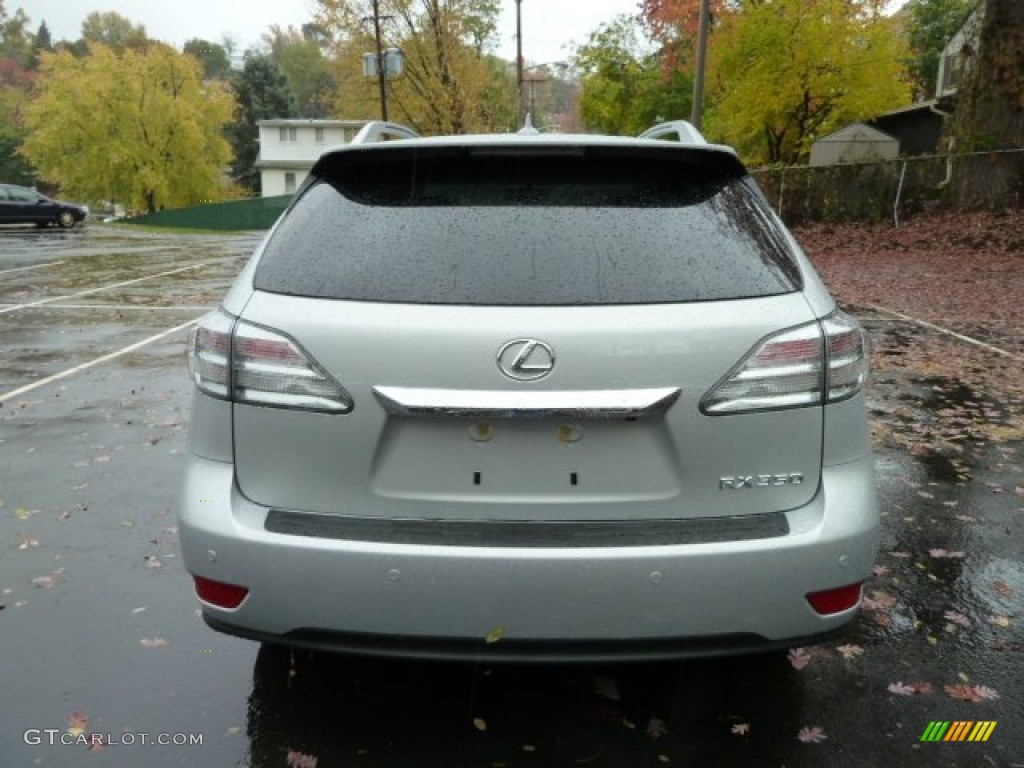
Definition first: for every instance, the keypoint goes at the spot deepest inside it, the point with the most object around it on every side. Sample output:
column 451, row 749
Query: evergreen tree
column 262, row 93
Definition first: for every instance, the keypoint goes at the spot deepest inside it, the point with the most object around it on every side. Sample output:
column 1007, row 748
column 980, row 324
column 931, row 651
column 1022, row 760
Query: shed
column 856, row 143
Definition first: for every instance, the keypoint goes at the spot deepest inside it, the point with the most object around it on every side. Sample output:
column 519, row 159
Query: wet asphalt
column 101, row 639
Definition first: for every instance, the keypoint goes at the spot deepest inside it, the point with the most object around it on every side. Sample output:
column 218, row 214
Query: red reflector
column 218, row 593
column 835, row 600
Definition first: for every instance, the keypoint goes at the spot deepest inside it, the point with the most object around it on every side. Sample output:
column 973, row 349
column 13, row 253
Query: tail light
column 835, row 600
column 804, row 366
column 219, row 593
column 245, row 363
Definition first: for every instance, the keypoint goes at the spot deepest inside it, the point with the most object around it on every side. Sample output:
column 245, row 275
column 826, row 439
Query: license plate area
column 522, row 461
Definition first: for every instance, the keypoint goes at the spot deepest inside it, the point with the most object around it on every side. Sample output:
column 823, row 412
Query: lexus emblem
column 526, row 359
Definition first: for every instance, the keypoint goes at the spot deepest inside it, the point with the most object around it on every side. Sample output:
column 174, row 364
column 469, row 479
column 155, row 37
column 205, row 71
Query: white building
column 959, row 53
column 289, row 148
column 857, row 143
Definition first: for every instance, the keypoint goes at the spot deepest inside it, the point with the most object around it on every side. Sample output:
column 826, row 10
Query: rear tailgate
column 614, row 431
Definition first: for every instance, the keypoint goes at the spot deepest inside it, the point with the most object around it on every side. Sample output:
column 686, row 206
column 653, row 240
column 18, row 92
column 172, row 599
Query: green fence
column 253, row 213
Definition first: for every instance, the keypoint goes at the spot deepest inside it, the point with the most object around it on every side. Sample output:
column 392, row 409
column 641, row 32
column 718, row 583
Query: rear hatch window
column 522, row 226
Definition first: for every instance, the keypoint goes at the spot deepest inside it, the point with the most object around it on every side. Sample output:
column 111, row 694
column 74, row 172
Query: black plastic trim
column 502, row 533
column 538, row 651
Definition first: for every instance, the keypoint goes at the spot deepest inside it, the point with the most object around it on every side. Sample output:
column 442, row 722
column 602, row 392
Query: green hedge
column 253, row 213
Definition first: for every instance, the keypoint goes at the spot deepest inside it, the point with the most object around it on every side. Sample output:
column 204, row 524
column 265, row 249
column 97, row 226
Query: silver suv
column 545, row 396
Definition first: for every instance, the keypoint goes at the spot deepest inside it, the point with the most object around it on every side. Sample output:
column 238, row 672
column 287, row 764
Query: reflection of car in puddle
column 401, row 713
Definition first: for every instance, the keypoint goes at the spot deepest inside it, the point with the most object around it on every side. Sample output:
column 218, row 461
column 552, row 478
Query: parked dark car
column 20, row 205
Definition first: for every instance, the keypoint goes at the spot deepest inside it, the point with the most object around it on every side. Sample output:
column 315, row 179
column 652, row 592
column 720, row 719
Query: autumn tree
column 449, row 85
column 623, row 87
column 262, row 93
column 114, row 31
column 990, row 109
column 139, row 127
column 785, row 72
column 213, row 57
column 930, row 25
column 310, row 74
column 16, row 78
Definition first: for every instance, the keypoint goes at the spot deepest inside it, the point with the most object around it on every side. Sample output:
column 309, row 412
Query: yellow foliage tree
column 139, row 127
column 785, row 72
column 450, row 84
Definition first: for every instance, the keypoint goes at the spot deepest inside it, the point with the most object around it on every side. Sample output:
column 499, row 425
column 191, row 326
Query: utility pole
column 382, row 75
column 519, row 64
column 702, row 55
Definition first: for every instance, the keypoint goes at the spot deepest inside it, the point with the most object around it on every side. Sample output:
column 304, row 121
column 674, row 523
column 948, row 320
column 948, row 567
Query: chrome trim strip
column 581, row 404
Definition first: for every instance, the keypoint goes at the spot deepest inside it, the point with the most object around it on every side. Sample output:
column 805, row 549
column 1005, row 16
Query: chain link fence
column 893, row 189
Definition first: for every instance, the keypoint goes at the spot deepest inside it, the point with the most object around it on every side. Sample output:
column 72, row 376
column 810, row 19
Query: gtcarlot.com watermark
column 54, row 736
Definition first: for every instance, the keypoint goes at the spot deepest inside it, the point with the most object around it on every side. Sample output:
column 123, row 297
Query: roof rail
column 377, row 130
column 681, row 129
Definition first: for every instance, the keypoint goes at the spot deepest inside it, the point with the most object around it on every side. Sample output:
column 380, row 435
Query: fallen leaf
column 878, row 600
column 140, row 609
column 741, row 729
column 923, row 687
column 901, row 690
column 880, row 570
column 300, row 760
column 1002, row 588
column 1000, row 621
column 974, row 693
column 656, row 728
column 942, row 553
column 495, row 635
column 153, row 642
column 97, row 743
column 480, row 724
column 850, row 651
column 811, row 734
column 606, row 687
column 77, row 723
column 798, row 658
column 957, row 618
column 233, row 730
column 152, row 561
column 25, row 542
column 24, row 514
column 45, row 582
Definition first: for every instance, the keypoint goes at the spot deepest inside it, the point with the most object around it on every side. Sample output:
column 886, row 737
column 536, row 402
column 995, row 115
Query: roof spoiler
column 377, row 130
column 683, row 131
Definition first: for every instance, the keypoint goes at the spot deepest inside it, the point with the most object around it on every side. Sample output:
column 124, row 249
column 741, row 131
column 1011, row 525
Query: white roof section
column 311, row 122
column 859, row 132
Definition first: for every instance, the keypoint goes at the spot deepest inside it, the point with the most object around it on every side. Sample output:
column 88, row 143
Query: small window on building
column 289, row 183
column 319, row 135
column 287, row 133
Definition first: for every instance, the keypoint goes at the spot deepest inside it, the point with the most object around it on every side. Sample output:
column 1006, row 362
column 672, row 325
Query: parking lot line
column 119, row 307
column 947, row 332
column 52, row 299
column 97, row 361
column 34, row 266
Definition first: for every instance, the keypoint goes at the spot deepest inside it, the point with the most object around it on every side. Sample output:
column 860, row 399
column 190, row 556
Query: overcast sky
column 548, row 25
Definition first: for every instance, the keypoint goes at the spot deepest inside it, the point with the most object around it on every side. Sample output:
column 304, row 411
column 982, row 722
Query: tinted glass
column 504, row 226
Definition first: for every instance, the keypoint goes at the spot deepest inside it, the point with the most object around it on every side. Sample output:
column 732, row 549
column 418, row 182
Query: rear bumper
column 547, row 603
